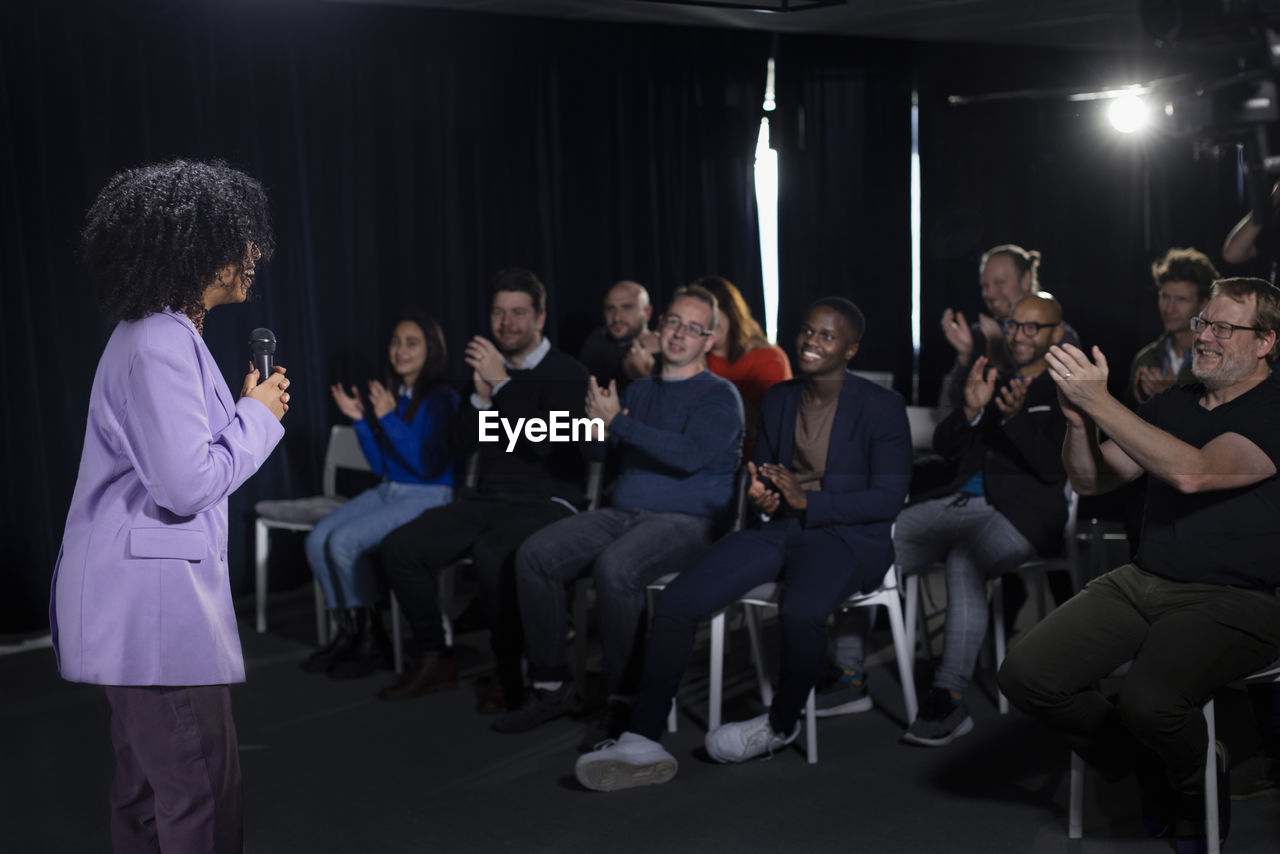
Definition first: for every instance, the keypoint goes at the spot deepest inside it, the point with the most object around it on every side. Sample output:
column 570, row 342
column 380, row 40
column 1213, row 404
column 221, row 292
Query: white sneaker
column 746, row 740
column 631, row 761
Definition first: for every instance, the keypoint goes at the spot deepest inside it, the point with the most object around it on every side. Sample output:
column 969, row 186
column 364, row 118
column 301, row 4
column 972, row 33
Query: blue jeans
column 338, row 539
column 975, row 542
column 626, row 550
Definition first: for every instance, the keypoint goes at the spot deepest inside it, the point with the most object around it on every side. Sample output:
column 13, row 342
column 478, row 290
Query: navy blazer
column 868, row 461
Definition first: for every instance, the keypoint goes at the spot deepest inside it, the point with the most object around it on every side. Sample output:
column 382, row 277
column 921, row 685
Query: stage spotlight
column 1128, row 114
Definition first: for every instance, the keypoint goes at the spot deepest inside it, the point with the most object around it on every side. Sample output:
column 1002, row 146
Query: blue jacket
column 868, row 466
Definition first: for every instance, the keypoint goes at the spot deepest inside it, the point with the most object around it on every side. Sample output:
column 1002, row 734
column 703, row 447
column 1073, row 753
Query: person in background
column 407, row 442
column 141, row 598
column 1183, row 278
column 742, row 354
column 624, row 348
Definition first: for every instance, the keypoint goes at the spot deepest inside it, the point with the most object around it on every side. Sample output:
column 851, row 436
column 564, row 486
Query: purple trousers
column 177, row 782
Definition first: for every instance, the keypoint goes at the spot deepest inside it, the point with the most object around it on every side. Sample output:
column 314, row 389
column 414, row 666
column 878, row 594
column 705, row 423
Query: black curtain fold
column 843, row 134
column 408, row 155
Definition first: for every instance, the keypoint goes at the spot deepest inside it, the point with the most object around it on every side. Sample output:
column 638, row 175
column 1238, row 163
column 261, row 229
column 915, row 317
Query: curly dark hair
column 1186, row 265
column 157, row 236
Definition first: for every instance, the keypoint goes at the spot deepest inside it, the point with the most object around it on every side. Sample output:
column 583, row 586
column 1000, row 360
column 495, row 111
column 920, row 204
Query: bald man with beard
column 1006, row 505
column 624, row 348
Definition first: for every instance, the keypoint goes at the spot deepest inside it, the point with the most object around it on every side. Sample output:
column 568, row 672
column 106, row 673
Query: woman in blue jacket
column 407, row 442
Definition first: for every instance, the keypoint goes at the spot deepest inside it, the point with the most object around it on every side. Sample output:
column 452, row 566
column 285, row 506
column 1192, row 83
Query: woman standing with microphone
column 141, row 601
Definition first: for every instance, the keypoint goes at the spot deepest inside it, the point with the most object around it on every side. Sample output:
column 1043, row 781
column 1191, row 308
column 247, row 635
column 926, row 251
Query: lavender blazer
column 141, row 594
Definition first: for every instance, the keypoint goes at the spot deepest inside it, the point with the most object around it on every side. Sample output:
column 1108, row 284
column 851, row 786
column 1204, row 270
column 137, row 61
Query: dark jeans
column 490, row 529
column 1185, row 642
column 625, row 551
column 177, row 780
column 817, row 571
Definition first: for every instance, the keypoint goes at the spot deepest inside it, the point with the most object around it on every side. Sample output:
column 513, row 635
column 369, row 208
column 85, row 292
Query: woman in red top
column 742, row 354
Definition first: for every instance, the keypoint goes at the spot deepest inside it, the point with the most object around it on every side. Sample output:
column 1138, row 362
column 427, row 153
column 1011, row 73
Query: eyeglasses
column 1030, row 328
column 675, row 324
column 1220, row 328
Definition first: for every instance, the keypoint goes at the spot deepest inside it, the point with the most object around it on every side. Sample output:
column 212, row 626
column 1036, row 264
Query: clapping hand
column 1011, row 397
column 979, row 387
column 602, row 403
column 488, row 367
column 760, row 495
column 1083, row 382
column 349, row 404
column 638, row 362
column 958, row 335
column 1149, row 381
column 383, row 401
column 787, row 484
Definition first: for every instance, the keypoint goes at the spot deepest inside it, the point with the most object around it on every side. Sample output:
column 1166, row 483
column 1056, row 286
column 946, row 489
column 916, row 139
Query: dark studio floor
column 328, row 768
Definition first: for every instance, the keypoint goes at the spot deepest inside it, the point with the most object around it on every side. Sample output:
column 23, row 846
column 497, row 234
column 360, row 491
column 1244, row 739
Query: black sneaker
column 842, row 693
column 943, row 718
column 539, row 706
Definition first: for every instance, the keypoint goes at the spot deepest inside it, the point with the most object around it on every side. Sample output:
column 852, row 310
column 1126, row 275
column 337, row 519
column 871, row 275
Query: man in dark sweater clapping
column 678, row 435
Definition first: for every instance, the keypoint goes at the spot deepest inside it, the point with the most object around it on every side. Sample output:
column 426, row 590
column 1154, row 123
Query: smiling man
column 1197, row 608
column 1005, row 505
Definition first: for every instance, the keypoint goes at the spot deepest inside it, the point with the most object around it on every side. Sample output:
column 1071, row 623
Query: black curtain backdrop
column 408, row 156
column 843, row 134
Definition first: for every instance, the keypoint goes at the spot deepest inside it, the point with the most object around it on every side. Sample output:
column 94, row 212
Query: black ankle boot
column 344, row 637
column 370, row 651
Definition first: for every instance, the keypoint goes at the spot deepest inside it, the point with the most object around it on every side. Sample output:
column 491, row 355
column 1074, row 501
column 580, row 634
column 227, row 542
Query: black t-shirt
column 1226, row 536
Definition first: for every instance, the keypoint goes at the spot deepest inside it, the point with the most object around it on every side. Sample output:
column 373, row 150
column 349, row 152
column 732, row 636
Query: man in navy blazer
column 831, row 469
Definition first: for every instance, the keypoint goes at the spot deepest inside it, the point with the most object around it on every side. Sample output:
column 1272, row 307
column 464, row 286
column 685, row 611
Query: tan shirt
column 813, row 437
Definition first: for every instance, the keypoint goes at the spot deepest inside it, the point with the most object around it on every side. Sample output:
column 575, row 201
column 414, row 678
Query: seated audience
column 832, row 466
column 1007, row 273
column 407, row 442
column 1006, row 504
column 742, row 354
column 608, row 351
column 678, row 435
column 1183, row 278
column 518, row 375
column 1197, row 607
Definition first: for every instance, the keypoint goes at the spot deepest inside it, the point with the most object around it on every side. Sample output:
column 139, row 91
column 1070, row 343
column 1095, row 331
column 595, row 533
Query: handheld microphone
column 262, row 346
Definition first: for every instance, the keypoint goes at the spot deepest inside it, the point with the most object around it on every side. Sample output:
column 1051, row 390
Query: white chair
column 883, row 379
column 1069, row 560
column 767, row 596
column 923, row 420
column 1075, row 804
column 301, row 514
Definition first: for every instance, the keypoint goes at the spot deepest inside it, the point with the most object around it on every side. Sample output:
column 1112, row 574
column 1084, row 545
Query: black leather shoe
column 344, row 638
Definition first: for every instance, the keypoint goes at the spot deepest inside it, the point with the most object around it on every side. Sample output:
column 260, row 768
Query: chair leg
column 1211, row 817
column 322, row 614
column 580, row 590
column 903, row 648
column 261, row 549
column 445, row 587
column 757, row 652
column 911, row 606
column 397, row 635
column 811, row 728
column 716, row 688
column 1075, row 803
column 997, row 626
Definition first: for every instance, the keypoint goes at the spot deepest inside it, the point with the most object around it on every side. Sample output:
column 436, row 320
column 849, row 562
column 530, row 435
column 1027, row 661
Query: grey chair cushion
column 302, row 511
